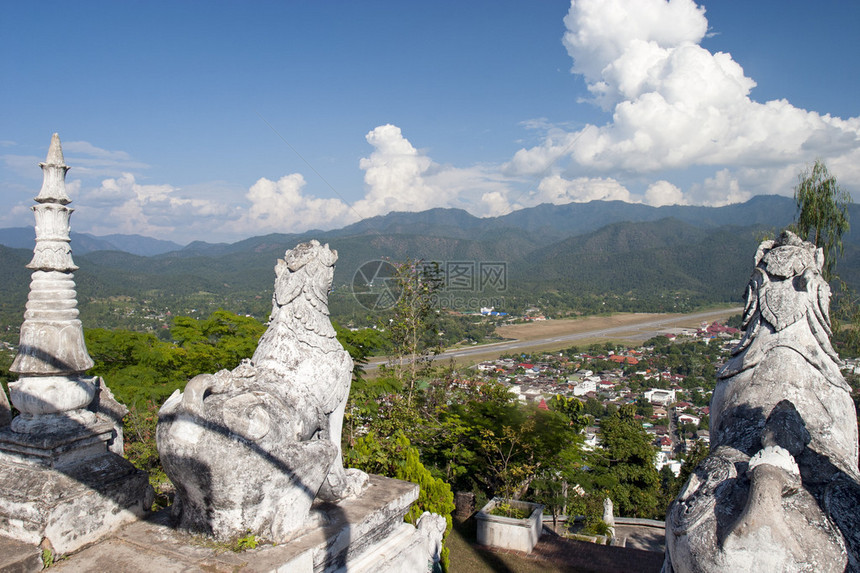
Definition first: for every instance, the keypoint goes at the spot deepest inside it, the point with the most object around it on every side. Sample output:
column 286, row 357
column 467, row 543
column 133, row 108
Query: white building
column 658, row 396
column 583, row 387
column 591, row 442
column 662, row 459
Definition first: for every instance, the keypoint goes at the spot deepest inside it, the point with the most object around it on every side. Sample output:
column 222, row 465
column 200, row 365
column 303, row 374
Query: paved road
column 645, row 329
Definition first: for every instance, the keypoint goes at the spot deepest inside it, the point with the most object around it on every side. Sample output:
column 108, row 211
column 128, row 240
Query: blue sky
column 221, row 120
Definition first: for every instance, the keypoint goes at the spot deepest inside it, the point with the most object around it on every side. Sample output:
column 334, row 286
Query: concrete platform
column 343, row 537
column 647, row 538
column 19, row 557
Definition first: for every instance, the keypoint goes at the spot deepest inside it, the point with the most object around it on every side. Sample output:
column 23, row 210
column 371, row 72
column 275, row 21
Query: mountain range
column 25, row 238
column 544, row 223
column 598, row 247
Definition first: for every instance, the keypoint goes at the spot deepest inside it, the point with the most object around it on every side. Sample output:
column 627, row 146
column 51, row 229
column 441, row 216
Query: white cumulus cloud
column 662, row 193
column 395, row 175
column 677, row 106
column 618, row 45
column 123, row 205
column 281, row 206
column 399, row 177
column 725, row 188
column 557, row 190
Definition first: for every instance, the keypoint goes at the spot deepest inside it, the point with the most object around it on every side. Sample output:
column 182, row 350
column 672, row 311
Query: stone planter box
column 507, row 532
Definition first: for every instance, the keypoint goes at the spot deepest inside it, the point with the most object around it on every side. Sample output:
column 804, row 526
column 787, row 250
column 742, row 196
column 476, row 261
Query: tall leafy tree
column 513, row 444
column 219, row 342
column 138, row 367
column 571, row 408
column 822, row 217
column 822, row 212
column 412, row 327
column 624, row 466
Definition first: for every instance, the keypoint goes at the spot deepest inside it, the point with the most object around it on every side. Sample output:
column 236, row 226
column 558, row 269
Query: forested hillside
column 666, row 258
column 561, row 259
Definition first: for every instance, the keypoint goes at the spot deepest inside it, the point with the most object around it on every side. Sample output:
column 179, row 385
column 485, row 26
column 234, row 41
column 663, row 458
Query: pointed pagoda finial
column 55, row 152
column 54, row 175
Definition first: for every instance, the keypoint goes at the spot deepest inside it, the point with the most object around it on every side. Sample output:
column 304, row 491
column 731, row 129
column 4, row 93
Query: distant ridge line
column 545, row 223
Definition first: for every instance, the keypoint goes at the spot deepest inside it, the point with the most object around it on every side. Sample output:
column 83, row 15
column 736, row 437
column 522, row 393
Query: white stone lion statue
column 779, row 489
column 250, row 449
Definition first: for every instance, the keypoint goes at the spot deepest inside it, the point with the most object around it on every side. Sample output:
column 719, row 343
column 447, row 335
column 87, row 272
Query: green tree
column 412, row 327
column 552, row 493
column 644, row 408
column 514, row 443
column 551, row 486
column 509, row 456
column 137, row 367
column 594, row 408
column 689, row 429
column 625, row 465
column 571, row 408
column 822, row 217
column 822, row 212
column 219, row 342
column 361, row 345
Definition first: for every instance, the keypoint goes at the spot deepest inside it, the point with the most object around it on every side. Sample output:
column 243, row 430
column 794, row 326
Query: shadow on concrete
column 335, row 525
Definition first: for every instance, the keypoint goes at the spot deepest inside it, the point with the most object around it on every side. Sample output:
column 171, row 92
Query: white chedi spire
column 52, row 354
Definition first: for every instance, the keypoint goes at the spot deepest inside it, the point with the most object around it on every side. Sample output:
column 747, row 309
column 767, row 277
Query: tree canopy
column 822, row 212
column 139, row 367
column 624, row 465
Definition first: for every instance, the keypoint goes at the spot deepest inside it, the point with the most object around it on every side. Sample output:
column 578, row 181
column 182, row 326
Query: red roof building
column 624, row 359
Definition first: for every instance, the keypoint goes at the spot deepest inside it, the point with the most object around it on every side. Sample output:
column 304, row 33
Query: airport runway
column 648, row 328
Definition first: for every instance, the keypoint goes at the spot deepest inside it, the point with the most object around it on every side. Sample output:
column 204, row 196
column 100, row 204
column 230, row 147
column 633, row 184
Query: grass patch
column 505, row 509
column 466, row 556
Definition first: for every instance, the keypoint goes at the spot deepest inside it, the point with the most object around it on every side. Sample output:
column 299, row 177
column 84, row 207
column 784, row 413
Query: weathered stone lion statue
column 780, row 489
column 250, row 449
